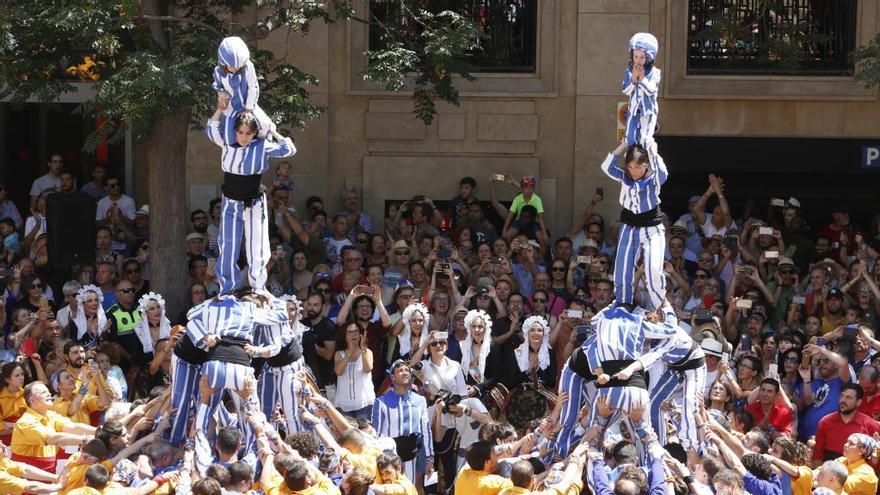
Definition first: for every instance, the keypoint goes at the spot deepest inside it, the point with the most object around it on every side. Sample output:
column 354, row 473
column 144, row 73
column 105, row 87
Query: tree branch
column 182, row 20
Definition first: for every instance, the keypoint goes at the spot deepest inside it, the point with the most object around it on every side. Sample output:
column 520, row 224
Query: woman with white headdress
column 412, row 343
column 479, row 369
column 534, row 361
column 281, row 347
column 90, row 321
column 154, row 325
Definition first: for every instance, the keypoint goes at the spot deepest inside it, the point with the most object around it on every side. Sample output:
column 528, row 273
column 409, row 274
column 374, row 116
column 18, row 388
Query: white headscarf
column 142, row 329
column 522, row 352
column 466, row 346
column 405, row 337
column 296, row 326
column 80, row 321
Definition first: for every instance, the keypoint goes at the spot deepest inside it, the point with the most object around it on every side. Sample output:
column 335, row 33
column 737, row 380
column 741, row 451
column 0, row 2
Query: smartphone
column 746, row 342
column 211, row 263
column 443, row 266
column 600, row 191
column 92, row 364
column 44, row 303
column 765, row 231
column 498, row 177
column 799, row 299
column 773, row 371
column 442, row 335
column 574, row 313
column 771, row 255
column 585, row 260
column 820, row 341
column 744, row 304
column 805, row 361
column 851, row 332
column 443, row 253
column 725, row 357
column 777, row 202
column 748, row 270
column 496, row 260
column 582, row 331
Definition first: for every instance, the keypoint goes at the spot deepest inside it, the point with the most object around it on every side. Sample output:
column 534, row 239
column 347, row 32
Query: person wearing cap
column 832, row 311
column 140, row 231
column 641, row 176
column 839, row 231
column 783, row 287
column 526, row 196
column 641, row 84
column 402, row 414
column 713, row 351
column 195, row 245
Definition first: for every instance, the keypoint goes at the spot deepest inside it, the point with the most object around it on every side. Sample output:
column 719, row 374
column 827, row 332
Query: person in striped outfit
column 243, row 209
column 186, row 365
column 402, row 415
column 641, row 84
column 236, row 78
column 281, row 347
column 677, row 370
column 579, row 383
column 620, row 338
column 223, row 326
column 641, row 229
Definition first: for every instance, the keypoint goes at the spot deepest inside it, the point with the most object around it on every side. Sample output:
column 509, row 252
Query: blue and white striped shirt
column 638, row 196
column 252, row 159
column 396, row 415
column 229, row 317
column 273, row 337
column 673, row 349
column 642, row 96
column 242, row 87
column 621, row 335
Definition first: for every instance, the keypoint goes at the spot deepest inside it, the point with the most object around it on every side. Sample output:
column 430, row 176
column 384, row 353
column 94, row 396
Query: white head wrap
column 80, row 321
column 522, row 352
column 405, row 337
column 142, row 330
column 466, row 346
column 296, row 326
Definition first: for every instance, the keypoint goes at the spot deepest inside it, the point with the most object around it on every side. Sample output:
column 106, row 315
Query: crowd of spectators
column 785, row 313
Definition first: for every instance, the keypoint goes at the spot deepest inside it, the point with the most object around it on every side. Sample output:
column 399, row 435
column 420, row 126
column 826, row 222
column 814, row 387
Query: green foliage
column 146, row 65
column 867, row 60
column 425, row 51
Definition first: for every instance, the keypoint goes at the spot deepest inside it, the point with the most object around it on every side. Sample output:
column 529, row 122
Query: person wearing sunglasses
column 115, row 203
column 124, row 318
column 783, row 286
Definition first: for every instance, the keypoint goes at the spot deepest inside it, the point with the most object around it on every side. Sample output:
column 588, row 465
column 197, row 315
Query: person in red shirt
column 869, row 380
column 835, row 428
column 770, row 409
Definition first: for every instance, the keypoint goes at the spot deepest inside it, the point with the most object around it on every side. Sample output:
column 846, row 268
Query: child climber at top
column 641, row 81
column 236, row 77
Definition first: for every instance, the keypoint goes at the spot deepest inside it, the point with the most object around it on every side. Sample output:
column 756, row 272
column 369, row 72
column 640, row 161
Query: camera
column 448, row 399
column 417, row 366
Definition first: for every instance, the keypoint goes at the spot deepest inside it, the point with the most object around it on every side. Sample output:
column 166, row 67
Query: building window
column 510, row 26
column 771, row 37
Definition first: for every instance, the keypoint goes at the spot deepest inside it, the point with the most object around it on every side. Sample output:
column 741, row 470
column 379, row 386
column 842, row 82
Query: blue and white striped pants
column 222, row 376
column 682, row 387
column 185, row 386
column 280, row 385
column 243, row 222
column 640, row 127
column 580, row 392
column 632, row 242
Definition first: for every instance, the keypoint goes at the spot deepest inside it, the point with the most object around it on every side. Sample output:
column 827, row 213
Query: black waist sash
column 188, row 351
column 288, row 354
column 578, row 363
column 241, row 187
column 230, row 350
column 687, row 363
column 649, row 218
column 612, row 367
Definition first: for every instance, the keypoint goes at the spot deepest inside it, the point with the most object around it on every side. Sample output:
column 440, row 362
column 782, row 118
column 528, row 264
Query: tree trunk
column 169, row 215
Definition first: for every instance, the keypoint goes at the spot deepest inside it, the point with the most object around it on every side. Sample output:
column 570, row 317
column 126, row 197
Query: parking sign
column 871, row 155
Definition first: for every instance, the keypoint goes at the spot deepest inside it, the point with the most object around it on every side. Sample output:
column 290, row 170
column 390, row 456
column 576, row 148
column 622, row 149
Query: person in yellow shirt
column 861, row 480
column 12, row 404
column 17, row 477
column 790, row 457
column 300, row 477
column 97, row 477
column 40, row 431
column 78, row 405
column 475, row 478
column 391, row 480
column 351, row 444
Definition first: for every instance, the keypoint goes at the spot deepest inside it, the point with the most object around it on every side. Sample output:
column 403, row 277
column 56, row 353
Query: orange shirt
column 11, row 405
column 88, row 405
column 77, row 476
column 33, row 430
column 12, row 479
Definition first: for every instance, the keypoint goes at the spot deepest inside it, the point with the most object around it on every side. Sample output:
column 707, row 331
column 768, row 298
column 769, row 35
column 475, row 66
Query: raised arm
column 212, row 128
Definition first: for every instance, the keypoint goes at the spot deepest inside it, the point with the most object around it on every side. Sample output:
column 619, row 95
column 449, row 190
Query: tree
column 150, row 62
column 867, row 60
